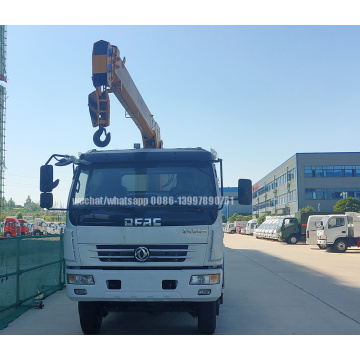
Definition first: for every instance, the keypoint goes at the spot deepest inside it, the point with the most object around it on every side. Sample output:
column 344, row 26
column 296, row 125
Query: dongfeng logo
column 143, row 222
column 142, row 253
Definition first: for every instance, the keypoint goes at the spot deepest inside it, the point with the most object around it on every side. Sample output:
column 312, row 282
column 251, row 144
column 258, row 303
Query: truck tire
column 207, row 317
column 292, row 239
column 90, row 317
column 8, row 234
column 323, row 247
column 340, row 245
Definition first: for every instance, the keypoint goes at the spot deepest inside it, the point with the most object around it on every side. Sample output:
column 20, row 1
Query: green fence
column 31, row 268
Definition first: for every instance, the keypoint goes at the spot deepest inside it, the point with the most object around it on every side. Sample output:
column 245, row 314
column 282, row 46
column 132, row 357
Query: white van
column 311, row 237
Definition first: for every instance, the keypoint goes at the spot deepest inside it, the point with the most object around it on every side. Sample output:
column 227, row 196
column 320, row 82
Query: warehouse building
column 315, row 179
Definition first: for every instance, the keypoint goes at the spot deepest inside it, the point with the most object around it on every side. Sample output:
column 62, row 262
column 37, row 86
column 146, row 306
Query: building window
column 331, row 194
column 309, row 194
column 332, row 171
column 291, row 174
column 308, row 171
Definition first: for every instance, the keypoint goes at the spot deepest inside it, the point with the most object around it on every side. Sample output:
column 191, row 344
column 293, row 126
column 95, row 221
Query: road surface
column 271, row 288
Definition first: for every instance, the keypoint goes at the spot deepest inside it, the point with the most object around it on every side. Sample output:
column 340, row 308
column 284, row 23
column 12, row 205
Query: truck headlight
column 80, row 279
column 205, row 279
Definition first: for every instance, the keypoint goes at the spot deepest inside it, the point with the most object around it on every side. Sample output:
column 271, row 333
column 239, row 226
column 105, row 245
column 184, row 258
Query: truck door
column 337, row 227
column 290, row 226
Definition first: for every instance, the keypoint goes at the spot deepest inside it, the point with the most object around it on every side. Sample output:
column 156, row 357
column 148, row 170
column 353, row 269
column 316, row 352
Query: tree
column 234, row 217
column 348, row 204
column 262, row 218
column 307, row 209
column 247, row 218
column 19, row 215
column 11, row 203
column 28, row 201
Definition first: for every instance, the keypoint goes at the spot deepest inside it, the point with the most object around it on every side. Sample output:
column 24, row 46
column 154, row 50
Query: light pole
column 344, row 194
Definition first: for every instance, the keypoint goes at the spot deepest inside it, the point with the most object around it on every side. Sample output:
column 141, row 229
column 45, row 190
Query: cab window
column 336, row 222
column 289, row 222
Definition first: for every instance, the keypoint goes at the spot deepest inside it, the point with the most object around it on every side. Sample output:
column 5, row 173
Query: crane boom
column 111, row 76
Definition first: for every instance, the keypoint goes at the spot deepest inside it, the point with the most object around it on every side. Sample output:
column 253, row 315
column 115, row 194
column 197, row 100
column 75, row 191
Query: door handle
column 343, row 232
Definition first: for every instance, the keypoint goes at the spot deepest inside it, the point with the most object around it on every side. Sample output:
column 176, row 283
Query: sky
column 255, row 94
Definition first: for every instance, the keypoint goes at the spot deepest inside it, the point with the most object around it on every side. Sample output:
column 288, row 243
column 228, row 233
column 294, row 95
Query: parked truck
column 143, row 226
column 251, row 225
column 39, row 227
column 291, row 229
column 239, row 225
column 339, row 232
column 230, row 228
column 12, row 227
column 24, row 227
column 311, row 230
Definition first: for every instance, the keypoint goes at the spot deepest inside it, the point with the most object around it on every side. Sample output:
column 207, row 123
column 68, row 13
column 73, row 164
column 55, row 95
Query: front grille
column 157, row 253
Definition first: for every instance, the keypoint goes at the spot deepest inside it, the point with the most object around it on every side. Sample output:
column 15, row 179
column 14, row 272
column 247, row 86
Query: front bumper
column 144, row 285
column 321, row 242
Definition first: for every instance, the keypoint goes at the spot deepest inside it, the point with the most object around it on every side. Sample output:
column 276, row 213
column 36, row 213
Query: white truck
column 230, row 228
column 251, row 225
column 311, row 230
column 143, row 226
column 39, row 227
column 339, row 232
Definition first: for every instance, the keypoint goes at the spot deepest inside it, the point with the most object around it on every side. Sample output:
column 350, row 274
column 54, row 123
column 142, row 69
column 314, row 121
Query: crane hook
column 96, row 138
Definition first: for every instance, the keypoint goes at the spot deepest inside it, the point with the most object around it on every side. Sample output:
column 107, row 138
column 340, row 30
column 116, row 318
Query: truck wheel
column 36, row 233
column 207, row 317
column 90, row 317
column 340, row 245
column 293, row 239
column 8, row 234
column 323, row 247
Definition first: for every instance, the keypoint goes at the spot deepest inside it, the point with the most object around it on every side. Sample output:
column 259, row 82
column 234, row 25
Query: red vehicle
column 238, row 229
column 12, row 227
column 24, row 230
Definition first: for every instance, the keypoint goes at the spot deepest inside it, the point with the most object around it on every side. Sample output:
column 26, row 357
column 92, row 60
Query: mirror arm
column 53, row 156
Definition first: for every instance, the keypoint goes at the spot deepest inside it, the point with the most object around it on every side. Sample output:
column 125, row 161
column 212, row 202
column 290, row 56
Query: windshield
column 187, row 192
column 322, row 223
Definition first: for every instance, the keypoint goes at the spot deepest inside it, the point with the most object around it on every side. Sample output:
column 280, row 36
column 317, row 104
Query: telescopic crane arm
column 111, row 76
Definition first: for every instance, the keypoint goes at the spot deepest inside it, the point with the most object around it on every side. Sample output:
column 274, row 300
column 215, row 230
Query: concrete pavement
column 271, row 288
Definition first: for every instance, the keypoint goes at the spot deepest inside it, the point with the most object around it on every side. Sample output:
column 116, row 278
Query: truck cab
column 39, row 227
column 339, row 232
column 24, row 227
column 12, row 227
column 333, row 231
column 144, row 233
column 288, row 230
column 250, row 227
column 230, row 228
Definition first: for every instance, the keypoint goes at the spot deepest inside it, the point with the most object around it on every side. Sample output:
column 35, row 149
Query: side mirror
column 245, row 192
column 47, row 184
column 46, row 200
